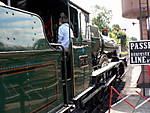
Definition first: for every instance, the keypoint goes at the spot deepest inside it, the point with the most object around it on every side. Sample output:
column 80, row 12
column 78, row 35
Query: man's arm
column 60, row 35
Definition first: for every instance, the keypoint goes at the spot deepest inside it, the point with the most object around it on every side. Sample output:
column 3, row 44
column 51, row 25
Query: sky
column 116, row 7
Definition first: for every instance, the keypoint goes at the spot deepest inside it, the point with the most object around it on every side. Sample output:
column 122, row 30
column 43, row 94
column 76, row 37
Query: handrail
column 104, row 69
column 65, row 68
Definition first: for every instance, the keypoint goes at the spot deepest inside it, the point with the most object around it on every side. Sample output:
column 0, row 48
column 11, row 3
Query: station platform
column 132, row 94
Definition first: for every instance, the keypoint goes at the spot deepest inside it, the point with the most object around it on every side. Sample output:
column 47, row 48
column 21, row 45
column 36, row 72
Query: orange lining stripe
column 24, row 71
column 27, row 67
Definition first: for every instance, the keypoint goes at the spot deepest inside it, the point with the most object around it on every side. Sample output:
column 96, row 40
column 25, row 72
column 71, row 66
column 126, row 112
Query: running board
column 89, row 97
column 99, row 74
column 65, row 109
column 77, row 100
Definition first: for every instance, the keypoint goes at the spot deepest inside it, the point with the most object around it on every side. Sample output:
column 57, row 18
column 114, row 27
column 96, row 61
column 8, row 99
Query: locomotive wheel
column 103, row 60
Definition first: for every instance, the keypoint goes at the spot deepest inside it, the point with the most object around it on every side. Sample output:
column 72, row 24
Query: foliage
column 103, row 17
column 115, row 26
column 124, row 53
column 119, row 36
column 133, row 39
column 102, row 20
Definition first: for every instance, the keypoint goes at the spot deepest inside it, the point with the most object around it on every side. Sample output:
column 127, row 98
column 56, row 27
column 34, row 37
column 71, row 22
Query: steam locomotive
column 34, row 75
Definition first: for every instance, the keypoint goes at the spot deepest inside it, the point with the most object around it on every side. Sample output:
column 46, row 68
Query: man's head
column 63, row 18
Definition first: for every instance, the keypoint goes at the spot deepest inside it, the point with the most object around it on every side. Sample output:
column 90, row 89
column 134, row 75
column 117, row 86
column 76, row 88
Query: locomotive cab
column 33, row 74
column 80, row 48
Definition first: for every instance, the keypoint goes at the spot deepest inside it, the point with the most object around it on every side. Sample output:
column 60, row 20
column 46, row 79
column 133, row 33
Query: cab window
column 84, row 26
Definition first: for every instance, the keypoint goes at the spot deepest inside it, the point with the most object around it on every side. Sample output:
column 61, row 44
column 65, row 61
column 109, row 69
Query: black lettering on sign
column 139, row 52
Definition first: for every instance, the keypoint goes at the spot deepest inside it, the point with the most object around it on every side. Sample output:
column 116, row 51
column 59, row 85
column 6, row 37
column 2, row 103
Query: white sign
column 139, row 52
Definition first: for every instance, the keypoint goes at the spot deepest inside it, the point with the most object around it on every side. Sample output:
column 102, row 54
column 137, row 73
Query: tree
column 133, row 39
column 120, row 36
column 115, row 26
column 102, row 18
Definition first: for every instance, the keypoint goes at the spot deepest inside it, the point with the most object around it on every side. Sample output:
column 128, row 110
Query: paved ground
column 133, row 73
